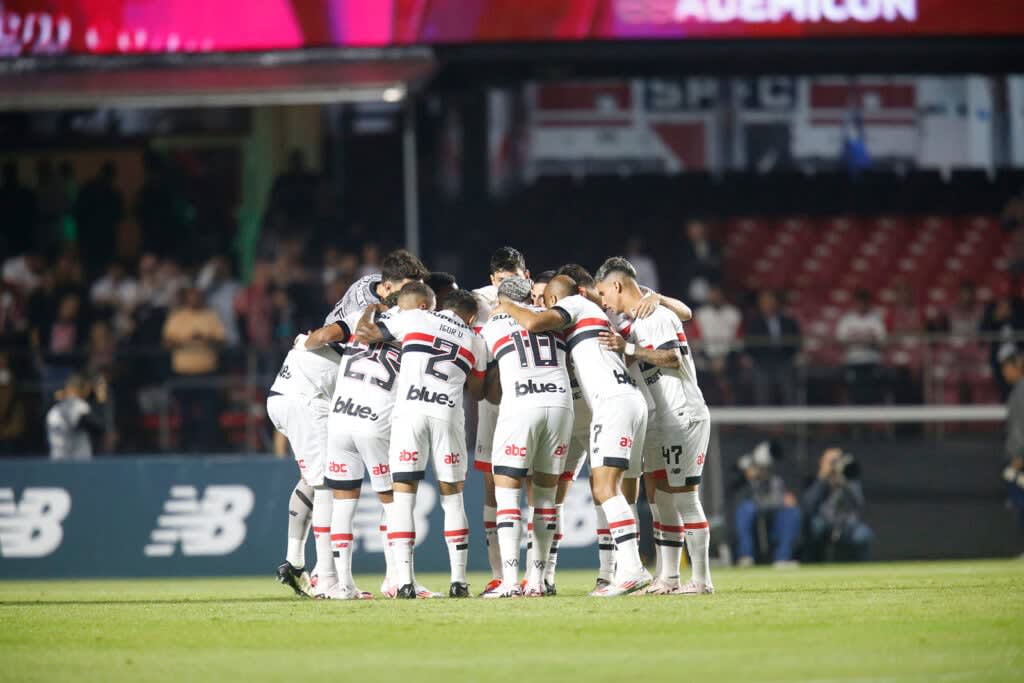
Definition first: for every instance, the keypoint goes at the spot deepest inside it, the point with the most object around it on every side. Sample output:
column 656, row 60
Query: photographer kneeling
column 833, row 504
column 762, row 492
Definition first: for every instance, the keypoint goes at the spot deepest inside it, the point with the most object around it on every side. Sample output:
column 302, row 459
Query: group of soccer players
column 563, row 368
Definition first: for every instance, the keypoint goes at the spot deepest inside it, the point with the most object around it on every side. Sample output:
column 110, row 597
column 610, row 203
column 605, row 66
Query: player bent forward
column 531, row 436
column 440, row 355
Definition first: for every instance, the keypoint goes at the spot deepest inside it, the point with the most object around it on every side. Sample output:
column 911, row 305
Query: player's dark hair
column 439, row 280
column 578, row 273
column 544, row 277
column 417, row 289
column 402, row 264
column 615, row 264
column 460, row 301
column 507, row 259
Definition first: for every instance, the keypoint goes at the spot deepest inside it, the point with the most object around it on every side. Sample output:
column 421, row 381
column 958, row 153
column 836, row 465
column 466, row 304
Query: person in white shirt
column 619, row 416
column 676, row 448
column 72, row 421
column 862, row 331
column 531, row 437
column 441, row 355
column 506, row 262
column 720, row 324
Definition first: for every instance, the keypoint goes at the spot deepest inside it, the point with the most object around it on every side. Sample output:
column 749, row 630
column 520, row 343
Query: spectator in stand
column 862, row 331
column 1003, row 321
column 98, row 213
column 220, row 290
column 64, row 341
column 13, row 422
column 720, row 325
column 69, row 230
column 283, row 316
column 699, row 263
column 193, row 332
column 18, row 208
column 773, row 341
column 116, row 294
column 13, row 322
column 763, row 493
column 834, row 504
column 540, row 283
column 963, row 318
column 646, row 268
column 25, row 272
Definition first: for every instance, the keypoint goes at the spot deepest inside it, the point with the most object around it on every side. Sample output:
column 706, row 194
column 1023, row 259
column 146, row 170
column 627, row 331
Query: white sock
column 509, row 533
column 605, row 546
column 456, row 535
column 656, row 535
column 491, row 536
column 323, row 504
column 388, row 555
column 670, row 548
column 530, row 556
column 300, row 510
column 545, row 522
column 549, row 574
column 402, row 536
column 697, row 534
column 342, row 512
column 622, row 525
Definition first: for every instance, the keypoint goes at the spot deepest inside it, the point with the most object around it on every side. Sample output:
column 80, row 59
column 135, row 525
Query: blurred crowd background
column 798, row 300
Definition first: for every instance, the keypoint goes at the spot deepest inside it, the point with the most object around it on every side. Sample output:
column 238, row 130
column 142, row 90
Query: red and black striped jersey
column 439, row 351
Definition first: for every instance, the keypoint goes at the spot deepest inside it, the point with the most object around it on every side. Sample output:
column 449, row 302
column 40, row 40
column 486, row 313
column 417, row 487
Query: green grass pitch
column 951, row 621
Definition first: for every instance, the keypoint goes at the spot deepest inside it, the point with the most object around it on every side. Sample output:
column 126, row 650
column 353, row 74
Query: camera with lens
column 845, row 467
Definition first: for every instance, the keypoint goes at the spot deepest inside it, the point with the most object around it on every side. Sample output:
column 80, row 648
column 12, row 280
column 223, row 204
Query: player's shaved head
column 416, row 295
column 560, row 287
column 517, row 289
column 579, row 274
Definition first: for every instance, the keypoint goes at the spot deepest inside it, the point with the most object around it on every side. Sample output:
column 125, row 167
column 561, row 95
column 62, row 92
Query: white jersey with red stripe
column 439, row 351
column 308, row 373
column 364, row 396
column 602, row 373
column 532, row 365
column 676, row 394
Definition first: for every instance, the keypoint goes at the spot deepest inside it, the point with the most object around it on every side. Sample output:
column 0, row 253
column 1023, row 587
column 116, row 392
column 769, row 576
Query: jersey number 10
column 542, row 348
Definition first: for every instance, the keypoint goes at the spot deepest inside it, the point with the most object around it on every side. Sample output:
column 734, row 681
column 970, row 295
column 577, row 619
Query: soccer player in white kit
column 440, row 355
column 531, row 437
column 619, row 416
column 675, row 461
column 298, row 405
column 506, row 262
column 358, row 432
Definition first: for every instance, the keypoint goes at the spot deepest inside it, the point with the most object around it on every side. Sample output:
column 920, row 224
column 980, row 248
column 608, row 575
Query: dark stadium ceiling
column 264, row 80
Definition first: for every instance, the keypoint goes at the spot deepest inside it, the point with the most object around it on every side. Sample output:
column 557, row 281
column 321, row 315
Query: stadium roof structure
column 268, row 79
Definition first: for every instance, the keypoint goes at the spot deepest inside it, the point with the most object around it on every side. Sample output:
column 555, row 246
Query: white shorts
column 350, row 456
column 304, row 421
column 415, row 439
column 617, row 434
column 532, row 440
column 486, row 420
column 677, row 453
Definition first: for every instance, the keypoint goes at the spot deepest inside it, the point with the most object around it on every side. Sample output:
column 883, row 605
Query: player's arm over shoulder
column 664, row 334
column 537, row 320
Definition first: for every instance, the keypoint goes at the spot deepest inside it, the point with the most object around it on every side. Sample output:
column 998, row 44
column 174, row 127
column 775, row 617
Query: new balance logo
column 347, row 406
column 531, row 387
column 623, row 378
column 285, row 372
column 211, row 524
column 32, row 528
column 427, row 396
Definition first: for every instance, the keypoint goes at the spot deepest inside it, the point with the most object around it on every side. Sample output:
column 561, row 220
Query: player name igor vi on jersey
column 439, row 351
